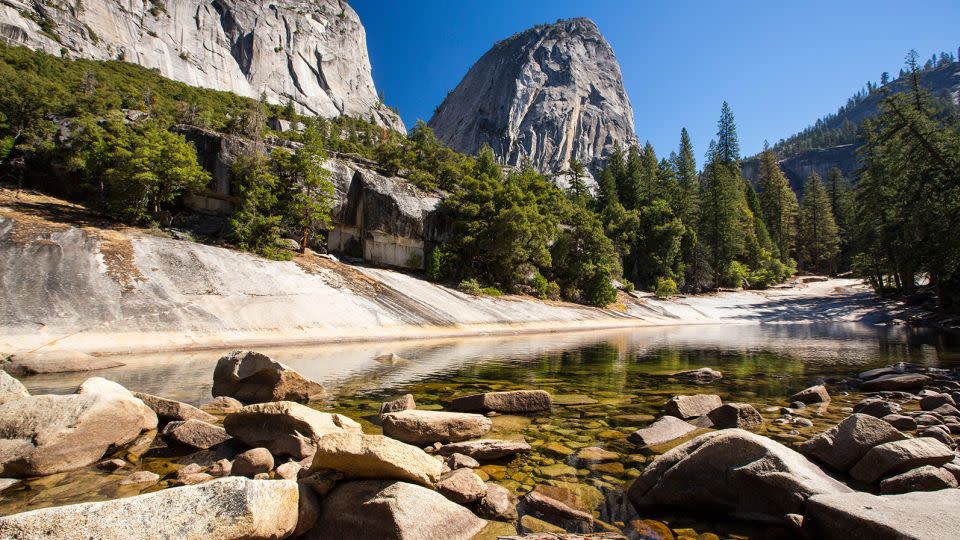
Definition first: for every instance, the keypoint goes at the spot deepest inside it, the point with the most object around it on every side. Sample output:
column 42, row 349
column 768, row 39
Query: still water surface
column 605, row 385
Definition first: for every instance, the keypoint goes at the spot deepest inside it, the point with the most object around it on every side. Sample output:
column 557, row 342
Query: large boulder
column 225, row 509
column 252, row 377
column 900, row 456
column 252, row 462
column 389, row 510
column 285, row 428
column 736, row 415
column 99, row 385
column 814, row 394
column 664, row 430
column 732, row 471
column 506, row 402
column 486, row 449
column 46, row 434
column 375, row 456
column 685, row 407
column 428, row 427
column 896, row 381
column 843, row 445
column 11, row 389
column 919, row 516
column 168, row 410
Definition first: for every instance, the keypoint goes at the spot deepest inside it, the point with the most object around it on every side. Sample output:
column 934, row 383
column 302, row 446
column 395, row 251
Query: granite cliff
column 314, row 54
column 549, row 94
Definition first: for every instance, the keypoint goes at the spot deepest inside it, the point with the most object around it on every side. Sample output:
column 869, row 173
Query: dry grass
column 37, row 217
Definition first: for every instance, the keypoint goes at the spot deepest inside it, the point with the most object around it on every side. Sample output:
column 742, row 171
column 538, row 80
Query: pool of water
column 605, row 385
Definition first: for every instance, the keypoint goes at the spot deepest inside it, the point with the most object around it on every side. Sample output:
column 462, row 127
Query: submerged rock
column 486, row 449
column 498, row 503
column 285, row 428
column 426, row 427
column 732, row 471
column 389, row 510
column 375, row 456
column 556, row 512
column 843, row 445
column 252, row 377
column 686, row 407
column 505, row 402
column 899, row 456
column 222, row 405
column 39, row 363
column 226, row 509
column 702, row 375
column 918, row 515
column 664, row 430
column 896, row 381
column 814, row 394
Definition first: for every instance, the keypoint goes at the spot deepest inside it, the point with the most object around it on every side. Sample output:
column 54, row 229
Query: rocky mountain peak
column 546, row 95
column 313, row 53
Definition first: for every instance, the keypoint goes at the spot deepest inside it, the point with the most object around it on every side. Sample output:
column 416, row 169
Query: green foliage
column 818, row 240
column 778, row 204
column 666, row 288
column 309, row 191
column 736, row 274
column 908, row 197
column 256, row 224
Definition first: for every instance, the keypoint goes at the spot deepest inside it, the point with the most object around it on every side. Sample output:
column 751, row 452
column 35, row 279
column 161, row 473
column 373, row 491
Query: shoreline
column 384, row 334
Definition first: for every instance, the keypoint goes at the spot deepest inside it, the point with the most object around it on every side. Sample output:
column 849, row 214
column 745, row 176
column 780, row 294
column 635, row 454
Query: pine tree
column 841, row 204
column 819, row 239
column 577, row 189
column 778, row 203
column 728, row 146
column 686, row 166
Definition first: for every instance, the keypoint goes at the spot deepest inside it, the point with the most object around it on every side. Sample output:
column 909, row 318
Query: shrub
column 736, row 274
column 553, row 291
column 470, row 286
column 540, row 285
column 666, row 288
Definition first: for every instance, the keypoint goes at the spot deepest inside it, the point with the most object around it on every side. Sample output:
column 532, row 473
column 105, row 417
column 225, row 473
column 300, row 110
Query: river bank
column 73, row 283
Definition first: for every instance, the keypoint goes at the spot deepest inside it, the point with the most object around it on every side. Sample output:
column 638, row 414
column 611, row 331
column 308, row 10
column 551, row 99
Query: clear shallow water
column 605, row 385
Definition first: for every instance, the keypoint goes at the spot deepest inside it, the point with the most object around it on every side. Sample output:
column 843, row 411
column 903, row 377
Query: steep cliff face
column 798, row 167
column 314, row 53
column 548, row 94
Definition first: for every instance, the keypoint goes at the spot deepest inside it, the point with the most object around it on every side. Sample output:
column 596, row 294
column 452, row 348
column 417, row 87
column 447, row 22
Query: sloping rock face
column 548, row 94
column 314, row 54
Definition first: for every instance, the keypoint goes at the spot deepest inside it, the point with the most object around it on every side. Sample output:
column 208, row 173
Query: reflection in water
column 346, row 369
column 605, row 386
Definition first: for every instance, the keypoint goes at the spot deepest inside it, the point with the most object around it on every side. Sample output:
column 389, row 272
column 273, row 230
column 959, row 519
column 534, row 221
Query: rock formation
column 549, row 94
column 314, row 54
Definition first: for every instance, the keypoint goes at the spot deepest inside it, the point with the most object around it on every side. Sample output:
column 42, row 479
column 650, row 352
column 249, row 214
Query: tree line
column 661, row 224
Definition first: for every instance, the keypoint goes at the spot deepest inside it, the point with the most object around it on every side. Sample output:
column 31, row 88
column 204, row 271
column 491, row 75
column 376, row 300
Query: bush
column 736, row 274
column 599, row 291
column 470, row 286
column 540, row 285
column 438, row 264
column 553, row 291
column 666, row 288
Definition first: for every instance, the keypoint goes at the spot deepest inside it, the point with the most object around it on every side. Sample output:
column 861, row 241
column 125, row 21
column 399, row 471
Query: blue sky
column 781, row 65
